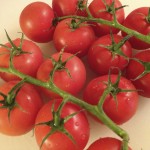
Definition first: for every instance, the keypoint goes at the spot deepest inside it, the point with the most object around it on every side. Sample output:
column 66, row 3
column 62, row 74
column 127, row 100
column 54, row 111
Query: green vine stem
column 95, row 110
column 113, row 23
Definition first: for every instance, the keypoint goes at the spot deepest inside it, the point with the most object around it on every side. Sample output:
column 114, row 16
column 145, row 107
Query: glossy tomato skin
column 65, row 8
column 101, row 59
column 77, row 126
column 137, row 21
column 142, row 84
column 36, row 22
column 106, row 143
column 26, row 63
column 75, row 41
column 22, row 117
column 72, row 84
column 119, row 110
column 98, row 10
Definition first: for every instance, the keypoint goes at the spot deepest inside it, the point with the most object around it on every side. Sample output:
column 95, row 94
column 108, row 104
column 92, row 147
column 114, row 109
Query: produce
column 90, row 71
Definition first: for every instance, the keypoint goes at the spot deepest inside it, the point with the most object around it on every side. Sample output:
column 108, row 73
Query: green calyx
column 9, row 100
column 111, row 8
column 113, row 89
column 57, row 123
column 59, row 65
column 146, row 68
column 14, row 50
column 80, row 5
column 5, row 103
column 115, row 48
column 75, row 23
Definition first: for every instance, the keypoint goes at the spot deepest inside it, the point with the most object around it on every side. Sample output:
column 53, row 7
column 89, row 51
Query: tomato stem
column 96, row 110
column 146, row 66
column 111, row 7
column 113, row 23
column 148, row 16
column 80, row 5
column 87, row 10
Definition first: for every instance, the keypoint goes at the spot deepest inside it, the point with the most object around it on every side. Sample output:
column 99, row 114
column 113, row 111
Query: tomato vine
column 96, row 110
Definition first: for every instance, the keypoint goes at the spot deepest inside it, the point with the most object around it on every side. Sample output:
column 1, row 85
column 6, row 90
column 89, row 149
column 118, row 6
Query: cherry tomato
column 73, row 40
column 142, row 83
column 101, row 10
column 77, row 126
column 22, row 116
column 103, row 55
column 121, row 109
column 138, row 21
column 72, row 83
column 71, row 7
column 107, row 143
column 36, row 22
column 26, row 61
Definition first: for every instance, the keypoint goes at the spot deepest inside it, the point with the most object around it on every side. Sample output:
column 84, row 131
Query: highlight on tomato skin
column 36, row 22
column 106, row 143
column 77, row 126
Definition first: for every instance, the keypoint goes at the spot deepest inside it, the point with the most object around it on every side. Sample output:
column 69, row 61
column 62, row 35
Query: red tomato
column 99, row 10
column 77, row 126
column 22, row 117
column 119, row 110
column 137, row 20
column 101, row 59
column 132, row 72
column 36, row 22
column 62, row 79
column 71, row 7
column 107, row 143
column 73, row 41
column 26, row 63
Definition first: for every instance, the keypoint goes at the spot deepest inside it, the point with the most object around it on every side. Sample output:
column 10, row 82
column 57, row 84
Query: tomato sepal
column 57, row 123
column 9, row 100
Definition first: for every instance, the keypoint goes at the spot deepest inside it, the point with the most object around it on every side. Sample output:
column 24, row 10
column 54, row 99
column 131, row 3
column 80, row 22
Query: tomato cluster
column 79, row 31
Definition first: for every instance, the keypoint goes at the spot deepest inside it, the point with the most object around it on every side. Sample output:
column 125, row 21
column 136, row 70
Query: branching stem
column 142, row 37
column 95, row 110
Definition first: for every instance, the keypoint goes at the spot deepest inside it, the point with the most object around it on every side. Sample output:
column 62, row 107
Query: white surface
column 138, row 127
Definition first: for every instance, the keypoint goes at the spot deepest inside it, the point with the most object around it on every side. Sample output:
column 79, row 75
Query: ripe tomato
column 138, row 21
column 119, row 110
column 77, row 126
column 132, row 72
column 26, row 63
column 36, row 22
column 71, row 83
column 22, row 116
column 99, row 10
column 71, row 7
column 101, row 58
column 73, row 40
column 107, row 143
